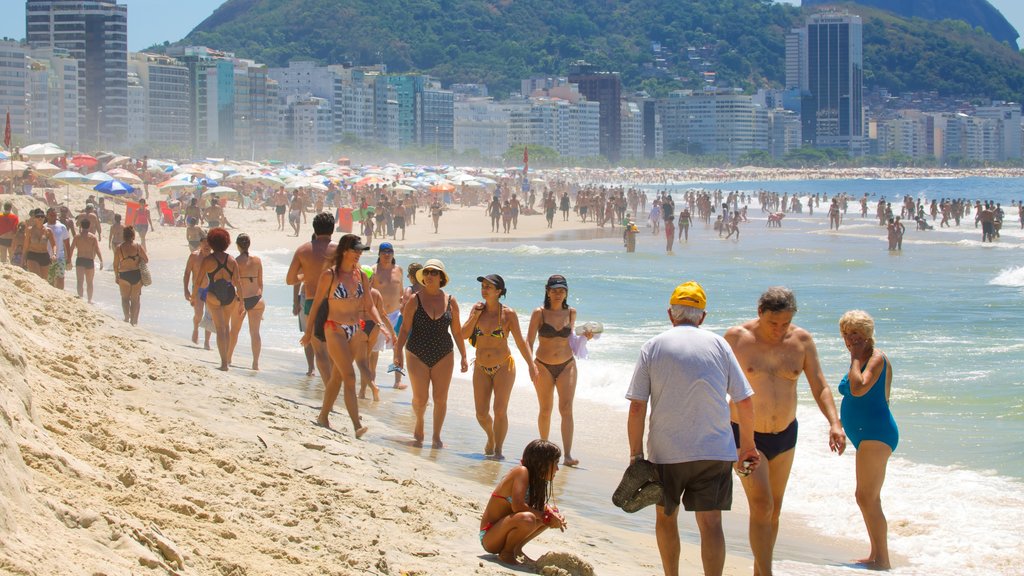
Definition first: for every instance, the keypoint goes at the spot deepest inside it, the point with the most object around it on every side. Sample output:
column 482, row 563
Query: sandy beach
column 127, row 453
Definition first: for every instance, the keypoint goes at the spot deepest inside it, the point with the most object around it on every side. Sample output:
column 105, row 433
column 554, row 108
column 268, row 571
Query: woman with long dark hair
column 344, row 290
column 520, row 507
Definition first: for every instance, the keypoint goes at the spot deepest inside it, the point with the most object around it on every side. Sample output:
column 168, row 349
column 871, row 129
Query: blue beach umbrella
column 114, row 188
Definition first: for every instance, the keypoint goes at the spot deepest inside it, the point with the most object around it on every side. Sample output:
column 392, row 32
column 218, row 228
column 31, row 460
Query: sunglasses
column 431, row 272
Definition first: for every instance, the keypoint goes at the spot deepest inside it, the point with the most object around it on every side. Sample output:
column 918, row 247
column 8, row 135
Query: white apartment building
column 481, row 125
column 632, row 132
column 53, row 97
column 728, row 125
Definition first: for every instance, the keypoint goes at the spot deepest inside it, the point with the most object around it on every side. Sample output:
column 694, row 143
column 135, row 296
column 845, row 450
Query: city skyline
column 150, row 22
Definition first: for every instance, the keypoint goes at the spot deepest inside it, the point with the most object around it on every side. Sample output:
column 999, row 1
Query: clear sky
column 154, row 21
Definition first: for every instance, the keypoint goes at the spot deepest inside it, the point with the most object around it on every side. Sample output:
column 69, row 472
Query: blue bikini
column 868, row 417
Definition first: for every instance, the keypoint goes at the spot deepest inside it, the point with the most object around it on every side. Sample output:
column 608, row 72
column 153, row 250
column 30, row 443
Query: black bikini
column 223, row 289
column 132, row 277
column 548, row 331
column 251, row 301
column 429, row 339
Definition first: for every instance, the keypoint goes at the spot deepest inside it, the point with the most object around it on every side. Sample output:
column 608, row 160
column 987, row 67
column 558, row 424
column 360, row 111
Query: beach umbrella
column 117, row 161
column 114, row 188
column 265, row 179
column 42, row 151
column 175, row 183
column 221, row 190
column 125, row 176
column 8, row 166
column 404, row 188
column 69, row 177
column 45, row 168
column 473, row 184
column 100, row 177
column 84, row 161
column 442, row 187
column 4, row 155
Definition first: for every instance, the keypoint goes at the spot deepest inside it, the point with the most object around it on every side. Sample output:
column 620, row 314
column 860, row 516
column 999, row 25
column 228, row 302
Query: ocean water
column 948, row 315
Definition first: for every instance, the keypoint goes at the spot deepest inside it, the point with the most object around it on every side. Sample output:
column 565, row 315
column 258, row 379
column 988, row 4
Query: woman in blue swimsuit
column 869, row 425
column 430, row 320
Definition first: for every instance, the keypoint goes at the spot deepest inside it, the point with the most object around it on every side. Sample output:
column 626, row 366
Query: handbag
column 147, row 278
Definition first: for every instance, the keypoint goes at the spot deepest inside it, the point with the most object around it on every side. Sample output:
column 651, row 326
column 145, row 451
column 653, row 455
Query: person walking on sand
column 87, row 246
column 218, row 274
column 345, row 290
column 387, row 279
column 128, row 259
column 551, row 326
column 488, row 328
column 773, row 352
column 688, row 375
column 685, row 219
column 520, row 509
column 435, row 213
column 250, row 291
column 868, row 420
column 143, row 222
column 280, row 202
column 8, row 228
column 364, row 340
column 308, row 263
column 62, row 242
column 39, row 246
column 430, row 323
column 194, row 295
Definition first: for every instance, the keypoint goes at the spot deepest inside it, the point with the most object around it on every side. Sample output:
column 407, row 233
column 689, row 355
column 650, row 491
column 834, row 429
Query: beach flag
column 526, row 159
column 7, row 132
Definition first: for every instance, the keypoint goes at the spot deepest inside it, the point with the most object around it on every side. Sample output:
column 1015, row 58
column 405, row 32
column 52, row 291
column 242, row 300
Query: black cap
column 494, row 279
column 557, row 281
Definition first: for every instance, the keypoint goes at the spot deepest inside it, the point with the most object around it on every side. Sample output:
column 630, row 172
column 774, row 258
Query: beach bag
column 207, row 322
column 147, row 278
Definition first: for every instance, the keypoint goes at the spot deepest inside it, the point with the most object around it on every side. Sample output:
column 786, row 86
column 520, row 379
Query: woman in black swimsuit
column 489, row 328
column 430, row 320
column 128, row 258
column 250, row 271
column 345, row 290
column 218, row 273
column 556, row 366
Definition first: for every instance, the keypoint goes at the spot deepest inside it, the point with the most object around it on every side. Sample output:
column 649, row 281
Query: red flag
column 526, row 158
column 7, row 132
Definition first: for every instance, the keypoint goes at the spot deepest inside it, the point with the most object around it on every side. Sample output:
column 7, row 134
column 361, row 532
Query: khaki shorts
column 703, row 485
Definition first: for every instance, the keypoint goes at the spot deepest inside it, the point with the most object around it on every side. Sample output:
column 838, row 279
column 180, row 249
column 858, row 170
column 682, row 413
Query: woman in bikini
column 519, row 508
column 869, row 424
column 488, row 329
column 366, row 337
column 143, row 222
column 128, row 258
column 430, row 320
column 345, row 290
column 556, row 367
column 250, row 272
column 218, row 274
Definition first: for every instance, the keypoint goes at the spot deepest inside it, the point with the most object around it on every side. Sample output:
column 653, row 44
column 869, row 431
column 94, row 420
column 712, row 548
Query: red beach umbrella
column 84, row 161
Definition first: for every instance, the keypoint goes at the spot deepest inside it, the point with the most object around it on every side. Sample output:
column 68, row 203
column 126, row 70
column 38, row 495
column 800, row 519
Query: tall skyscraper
column 826, row 57
column 96, row 34
column 606, row 89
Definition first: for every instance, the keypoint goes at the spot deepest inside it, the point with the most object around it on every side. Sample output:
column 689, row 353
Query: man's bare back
column 309, row 261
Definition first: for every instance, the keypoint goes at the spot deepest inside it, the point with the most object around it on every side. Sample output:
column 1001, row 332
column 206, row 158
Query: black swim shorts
column 703, row 485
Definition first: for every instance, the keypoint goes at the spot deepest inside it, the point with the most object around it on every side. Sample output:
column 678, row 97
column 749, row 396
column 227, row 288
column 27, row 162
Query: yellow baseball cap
column 689, row 294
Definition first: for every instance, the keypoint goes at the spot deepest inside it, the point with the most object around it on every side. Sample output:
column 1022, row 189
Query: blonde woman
column 869, row 424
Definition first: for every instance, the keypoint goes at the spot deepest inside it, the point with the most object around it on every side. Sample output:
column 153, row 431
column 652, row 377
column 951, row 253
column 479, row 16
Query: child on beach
column 518, row 509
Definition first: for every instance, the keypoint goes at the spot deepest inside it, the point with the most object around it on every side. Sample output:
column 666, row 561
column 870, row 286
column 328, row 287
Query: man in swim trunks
column 688, row 374
column 191, row 275
column 308, row 263
column 8, row 227
column 280, row 201
column 387, row 279
column 773, row 353
column 87, row 246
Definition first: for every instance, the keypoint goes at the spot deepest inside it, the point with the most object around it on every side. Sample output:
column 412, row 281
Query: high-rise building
column 14, row 88
column 53, row 97
column 481, row 126
column 729, row 125
column 95, row 33
column 827, row 59
column 606, row 89
column 1009, row 114
column 166, row 88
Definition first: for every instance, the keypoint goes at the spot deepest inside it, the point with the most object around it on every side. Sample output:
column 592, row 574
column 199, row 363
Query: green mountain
column 975, row 12
column 657, row 45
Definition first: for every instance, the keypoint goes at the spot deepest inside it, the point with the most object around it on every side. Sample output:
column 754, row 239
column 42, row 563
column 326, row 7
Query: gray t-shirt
column 686, row 374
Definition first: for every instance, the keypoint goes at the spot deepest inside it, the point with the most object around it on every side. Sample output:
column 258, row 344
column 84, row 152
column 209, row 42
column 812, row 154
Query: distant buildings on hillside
column 74, row 83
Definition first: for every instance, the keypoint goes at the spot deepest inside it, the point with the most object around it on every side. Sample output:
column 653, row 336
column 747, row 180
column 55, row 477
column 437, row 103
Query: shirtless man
column 280, row 201
column 192, row 265
column 308, row 263
column 94, row 221
column 215, row 216
column 773, row 353
column 88, row 247
column 40, row 247
column 387, row 279
column 296, row 211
